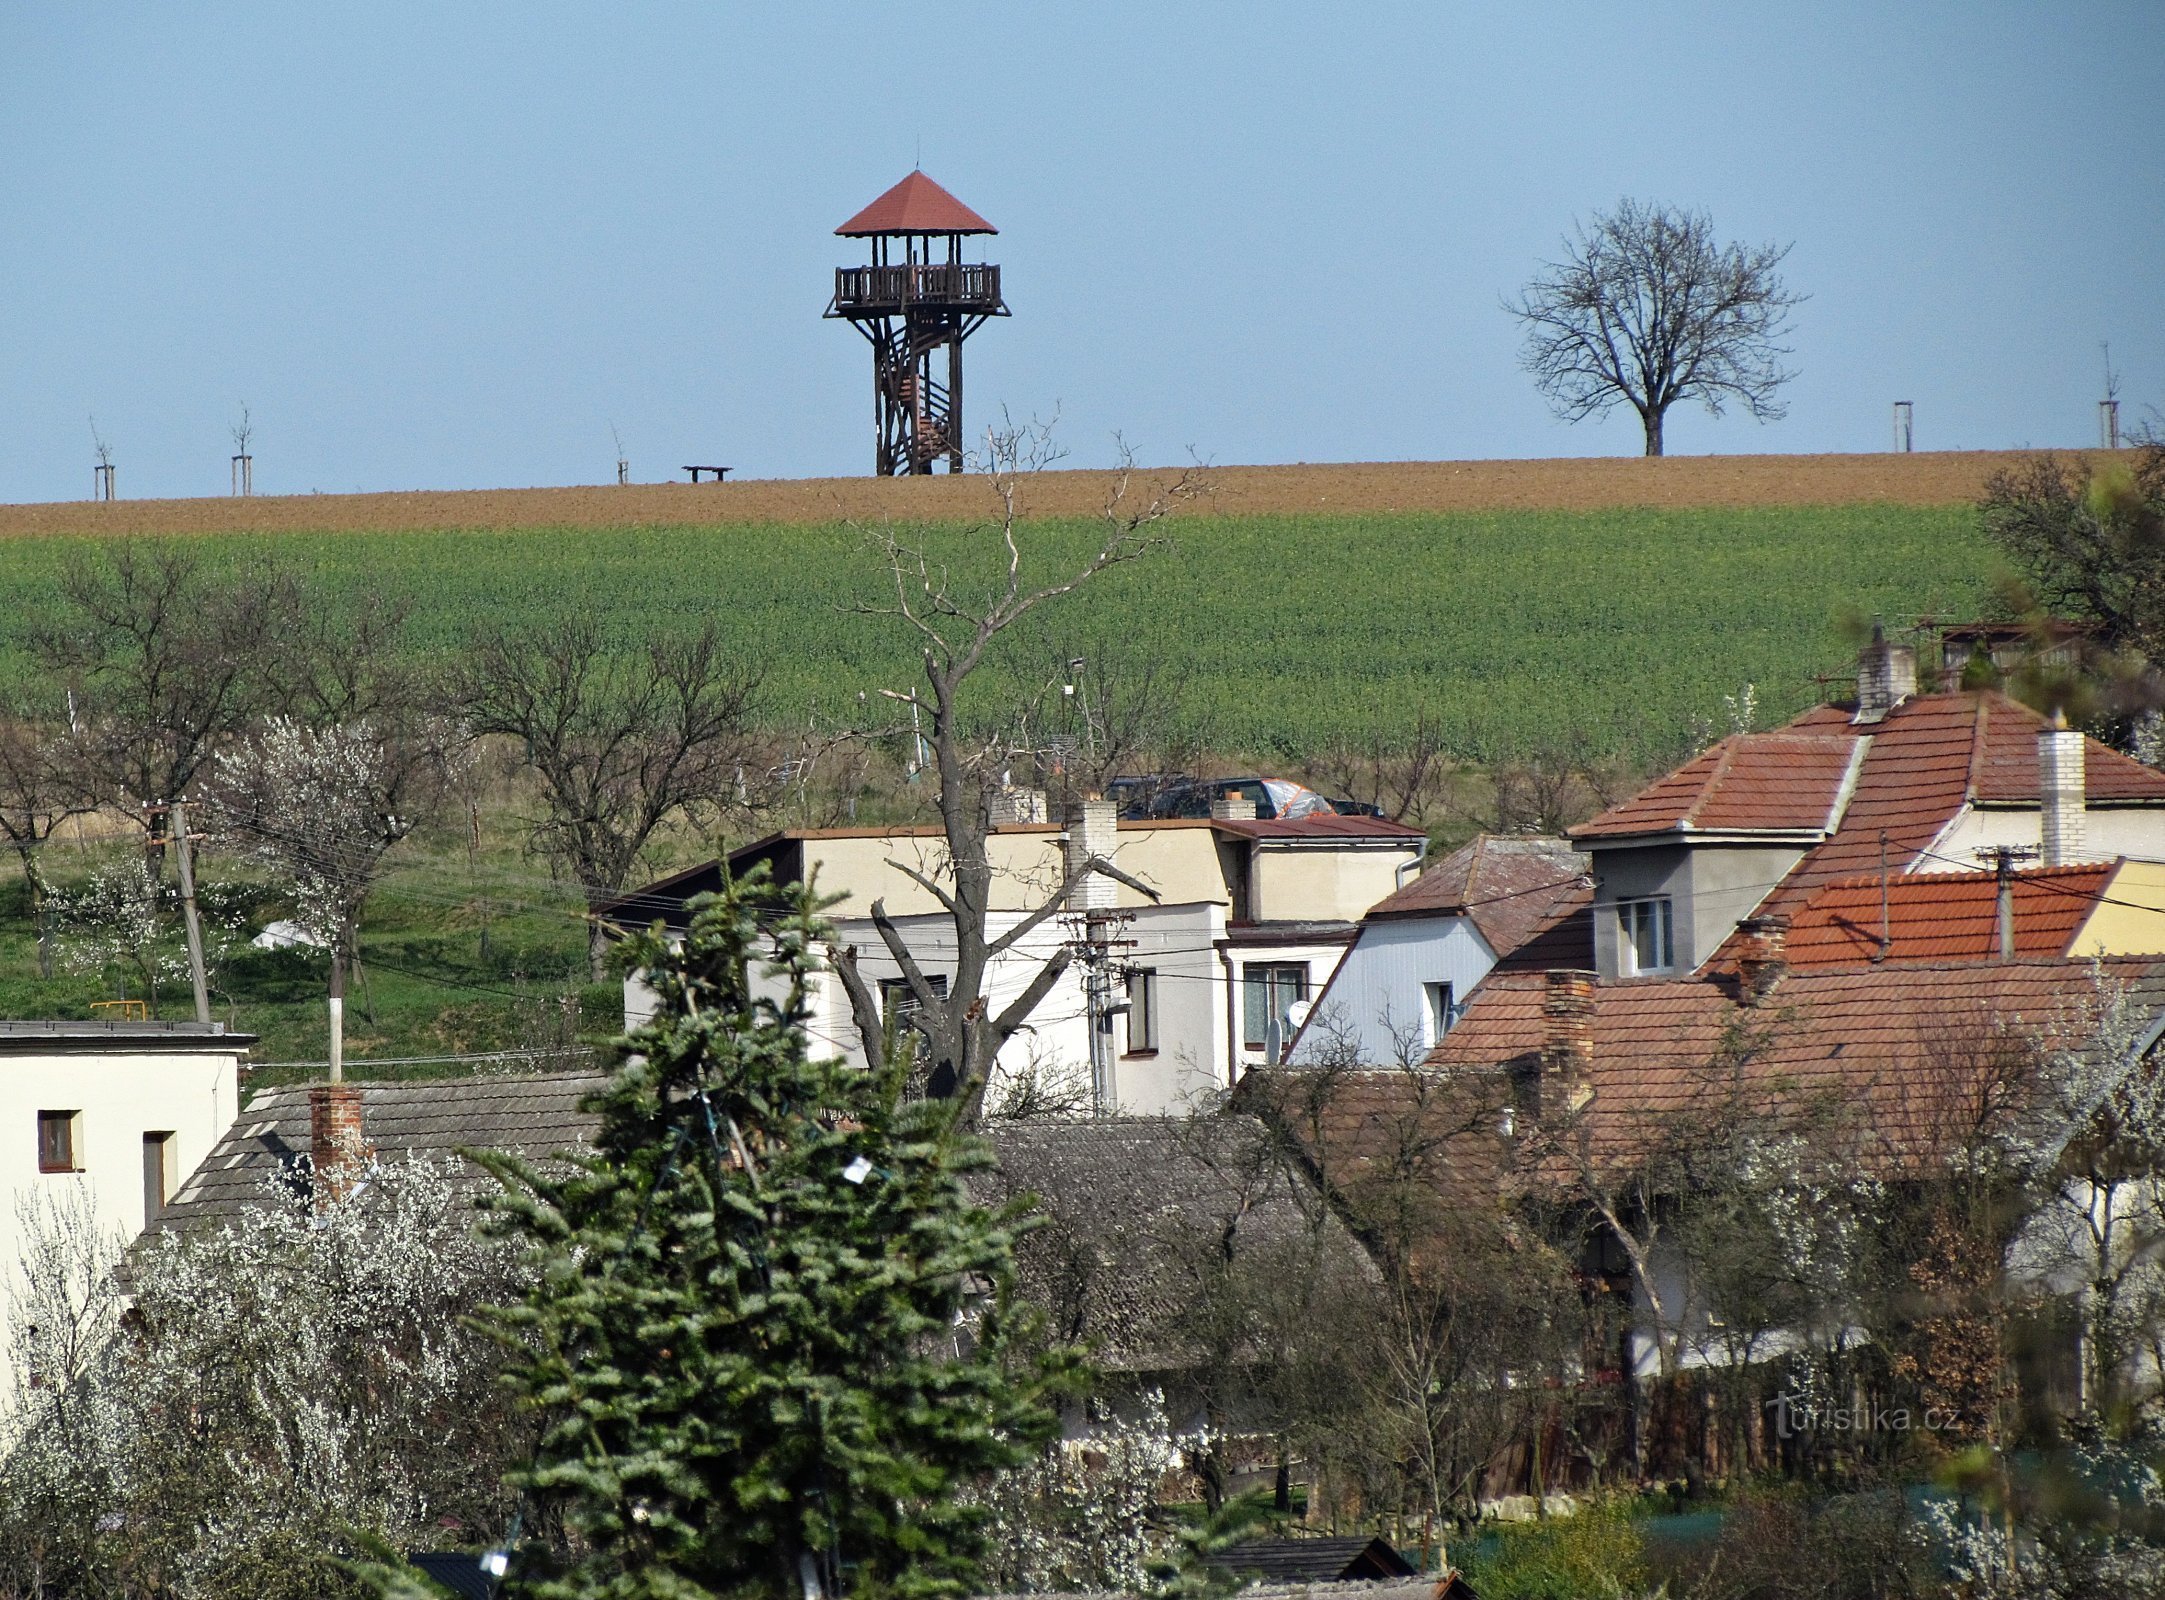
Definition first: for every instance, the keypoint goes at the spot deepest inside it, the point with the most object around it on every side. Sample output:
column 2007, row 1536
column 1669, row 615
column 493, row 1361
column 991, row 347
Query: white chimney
column 1886, row 676
column 1232, row 806
column 2062, row 786
column 1093, row 829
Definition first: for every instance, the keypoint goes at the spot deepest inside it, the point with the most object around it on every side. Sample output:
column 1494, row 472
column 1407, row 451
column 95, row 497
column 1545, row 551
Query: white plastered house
column 1221, row 926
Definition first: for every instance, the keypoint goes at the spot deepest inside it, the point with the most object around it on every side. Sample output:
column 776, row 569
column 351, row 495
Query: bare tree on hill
column 168, row 661
column 955, row 630
column 624, row 740
column 1647, row 309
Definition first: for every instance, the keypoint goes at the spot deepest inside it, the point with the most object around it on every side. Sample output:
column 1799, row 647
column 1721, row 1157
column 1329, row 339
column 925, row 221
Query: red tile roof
column 1942, row 916
column 1932, row 756
column 915, row 205
column 1750, row 782
column 1903, row 1046
column 1508, row 888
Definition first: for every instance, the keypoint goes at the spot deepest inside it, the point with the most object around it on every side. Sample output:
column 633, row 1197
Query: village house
column 1216, row 932
column 106, row 1119
column 113, row 1113
column 1496, row 902
column 1897, row 784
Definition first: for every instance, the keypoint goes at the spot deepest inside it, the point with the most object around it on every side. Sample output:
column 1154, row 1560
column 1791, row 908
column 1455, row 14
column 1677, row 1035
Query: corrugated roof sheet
column 1942, row 916
column 538, row 1116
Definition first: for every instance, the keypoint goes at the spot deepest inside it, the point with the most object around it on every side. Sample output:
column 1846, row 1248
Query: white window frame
column 1272, row 980
column 1661, row 909
column 1142, row 1011
column 1439, row 1010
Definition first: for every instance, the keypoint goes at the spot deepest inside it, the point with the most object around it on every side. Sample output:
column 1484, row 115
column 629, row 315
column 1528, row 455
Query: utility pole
column 1103, row 999
column 2003, row 858
column 185, row 853
column 338, row 1012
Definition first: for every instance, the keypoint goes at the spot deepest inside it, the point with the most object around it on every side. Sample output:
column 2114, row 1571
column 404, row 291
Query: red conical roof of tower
column 915, row 205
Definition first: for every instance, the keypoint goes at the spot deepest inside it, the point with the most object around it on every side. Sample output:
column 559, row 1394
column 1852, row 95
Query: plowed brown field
column 1584, row 484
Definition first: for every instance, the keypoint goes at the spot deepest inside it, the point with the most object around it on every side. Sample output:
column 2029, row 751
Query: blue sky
column 447, row 245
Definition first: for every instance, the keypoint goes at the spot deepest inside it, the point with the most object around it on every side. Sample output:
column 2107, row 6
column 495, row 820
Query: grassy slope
column 1513, row 627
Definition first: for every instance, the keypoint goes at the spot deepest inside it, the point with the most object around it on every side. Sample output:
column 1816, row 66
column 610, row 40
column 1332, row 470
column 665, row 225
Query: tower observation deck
column 916, row 298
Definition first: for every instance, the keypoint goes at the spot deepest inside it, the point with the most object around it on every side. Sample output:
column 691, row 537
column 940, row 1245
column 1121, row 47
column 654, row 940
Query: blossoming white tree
column 272, row 1384
column 321, row 806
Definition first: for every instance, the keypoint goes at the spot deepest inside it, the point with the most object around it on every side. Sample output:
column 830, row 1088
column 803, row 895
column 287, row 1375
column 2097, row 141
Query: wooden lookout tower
column 916, row 299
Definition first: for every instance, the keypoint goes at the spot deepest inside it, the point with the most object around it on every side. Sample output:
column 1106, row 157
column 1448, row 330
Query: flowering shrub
column 1079, row 1517
column 272, row 1384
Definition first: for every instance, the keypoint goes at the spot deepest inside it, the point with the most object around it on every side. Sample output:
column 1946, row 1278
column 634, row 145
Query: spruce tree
column 772, row 1338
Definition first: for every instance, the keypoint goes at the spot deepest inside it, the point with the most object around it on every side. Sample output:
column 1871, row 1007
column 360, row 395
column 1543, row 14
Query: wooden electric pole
column 184, row 852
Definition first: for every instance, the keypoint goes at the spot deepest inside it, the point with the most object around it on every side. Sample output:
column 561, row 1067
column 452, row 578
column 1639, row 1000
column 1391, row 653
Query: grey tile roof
column 536, row 1116
column 1138, row 1211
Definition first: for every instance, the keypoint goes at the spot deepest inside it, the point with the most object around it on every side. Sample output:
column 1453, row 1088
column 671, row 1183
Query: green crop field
column 1511, row 629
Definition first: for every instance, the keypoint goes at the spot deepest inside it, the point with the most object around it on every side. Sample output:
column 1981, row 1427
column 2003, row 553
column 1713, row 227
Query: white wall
column 120, row 1093
column 1378, row 995
column 1177, row 940
column 2137, row 832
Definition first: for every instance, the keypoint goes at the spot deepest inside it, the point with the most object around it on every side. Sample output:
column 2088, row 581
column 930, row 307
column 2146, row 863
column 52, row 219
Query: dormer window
column 1645, row 937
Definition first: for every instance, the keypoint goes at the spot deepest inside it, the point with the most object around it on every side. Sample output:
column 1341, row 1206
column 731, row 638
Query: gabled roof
column 1508, row 888
column 1942, row 916
column 1930, row 758
column 1328, row 1560
column 1781, row 782
column 1899, row 1047
column 538, row 1116
column 915, row 205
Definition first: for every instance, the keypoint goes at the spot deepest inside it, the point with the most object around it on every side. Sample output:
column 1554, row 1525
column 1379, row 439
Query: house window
column 1646, row 938
column 1267, row 989
column 898, row 1003
column 1142, row 1011
column 157, row 1174
column 57, row 1142
column 1439, row 1011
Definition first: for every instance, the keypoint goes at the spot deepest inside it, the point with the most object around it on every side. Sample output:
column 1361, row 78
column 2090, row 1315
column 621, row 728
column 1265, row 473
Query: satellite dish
column 1296, row 1014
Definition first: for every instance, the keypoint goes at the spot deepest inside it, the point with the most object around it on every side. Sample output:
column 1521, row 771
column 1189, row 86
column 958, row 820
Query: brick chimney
column 337, row 1149
column 1760, row 965
column 2062, row 785
column 1232, row 807
column 1093, row 829
column 1567, row 1056
column 1009, row 806
column 1886, row 676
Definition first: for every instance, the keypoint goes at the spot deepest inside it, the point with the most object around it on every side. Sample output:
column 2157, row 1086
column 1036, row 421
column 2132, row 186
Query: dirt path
column 1584, row 484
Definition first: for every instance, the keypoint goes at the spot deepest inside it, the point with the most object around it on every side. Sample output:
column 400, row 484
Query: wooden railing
column 868, row 288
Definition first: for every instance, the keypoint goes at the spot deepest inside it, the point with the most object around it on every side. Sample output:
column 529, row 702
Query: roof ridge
column 1863, row 880
column 1727, row 747
column 1977, row 751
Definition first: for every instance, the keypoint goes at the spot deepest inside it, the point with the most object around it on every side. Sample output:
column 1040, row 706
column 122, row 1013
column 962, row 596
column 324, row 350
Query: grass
column 453, row 961
column 1617, row 629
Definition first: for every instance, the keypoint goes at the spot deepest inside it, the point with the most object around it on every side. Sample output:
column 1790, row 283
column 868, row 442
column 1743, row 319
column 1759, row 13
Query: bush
column 1787, row 1546
column 1598, row 1554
